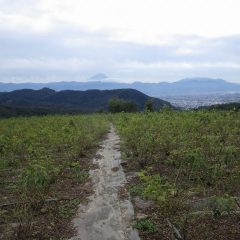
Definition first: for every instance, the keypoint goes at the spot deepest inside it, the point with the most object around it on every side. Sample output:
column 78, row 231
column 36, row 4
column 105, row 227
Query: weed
column 40, row 149
column 146, row 225
column 78, row 174
column 68, row 209
column 220, row 204
column 154, row 187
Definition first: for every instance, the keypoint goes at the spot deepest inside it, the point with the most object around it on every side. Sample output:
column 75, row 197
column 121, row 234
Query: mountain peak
column 98, row 77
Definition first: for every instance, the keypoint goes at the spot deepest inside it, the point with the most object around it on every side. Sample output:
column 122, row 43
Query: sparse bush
column 146, row 225
column 38, row 153
column 220, row 204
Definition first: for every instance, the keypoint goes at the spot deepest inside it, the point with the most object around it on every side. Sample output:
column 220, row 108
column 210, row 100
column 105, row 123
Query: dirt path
column 107, row 216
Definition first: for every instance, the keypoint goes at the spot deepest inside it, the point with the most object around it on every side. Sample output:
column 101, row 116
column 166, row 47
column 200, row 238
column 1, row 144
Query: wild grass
column 37, row 153
column 185, row 159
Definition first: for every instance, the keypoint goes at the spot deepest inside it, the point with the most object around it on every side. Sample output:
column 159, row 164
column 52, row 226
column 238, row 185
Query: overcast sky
column 128, row 40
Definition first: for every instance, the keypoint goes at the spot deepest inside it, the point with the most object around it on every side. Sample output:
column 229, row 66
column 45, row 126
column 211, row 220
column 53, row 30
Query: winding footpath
column 106, row 216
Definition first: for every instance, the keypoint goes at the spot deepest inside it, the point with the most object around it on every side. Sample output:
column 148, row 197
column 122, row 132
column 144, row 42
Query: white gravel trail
column 106, row 216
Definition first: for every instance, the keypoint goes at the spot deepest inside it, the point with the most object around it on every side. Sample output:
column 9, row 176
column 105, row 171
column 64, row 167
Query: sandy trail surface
column 107, row 216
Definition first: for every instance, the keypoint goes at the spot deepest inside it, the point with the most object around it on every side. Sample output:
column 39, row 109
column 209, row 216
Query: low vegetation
column 15, row 111
column 145, row 225
column 188, row 165
column 44, row 164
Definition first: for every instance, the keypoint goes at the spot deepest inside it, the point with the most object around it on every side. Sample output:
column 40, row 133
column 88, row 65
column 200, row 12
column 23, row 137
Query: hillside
column 182, row 87
column 15, row 111
column 226, row 106
column 85, row 101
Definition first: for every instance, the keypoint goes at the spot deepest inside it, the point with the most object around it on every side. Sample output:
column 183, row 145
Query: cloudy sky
column 128, row 40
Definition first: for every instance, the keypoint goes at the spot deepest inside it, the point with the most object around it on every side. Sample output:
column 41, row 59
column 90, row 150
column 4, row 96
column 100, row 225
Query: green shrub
column 38, row 175
column 154, row 187
column 146, row 225
column 220, row 204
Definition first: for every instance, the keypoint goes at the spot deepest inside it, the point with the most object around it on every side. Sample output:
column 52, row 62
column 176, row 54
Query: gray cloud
column 69, row 53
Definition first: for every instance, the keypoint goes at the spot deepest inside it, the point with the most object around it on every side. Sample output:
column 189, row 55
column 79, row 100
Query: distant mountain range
column 84, row 101
column 100, row 81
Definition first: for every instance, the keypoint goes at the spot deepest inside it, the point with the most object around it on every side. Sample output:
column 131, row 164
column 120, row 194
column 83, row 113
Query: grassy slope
column 188, row 164
column 44, row 163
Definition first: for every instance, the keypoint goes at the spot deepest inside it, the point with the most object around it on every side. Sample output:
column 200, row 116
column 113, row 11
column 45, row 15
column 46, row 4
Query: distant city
column 195, row 101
